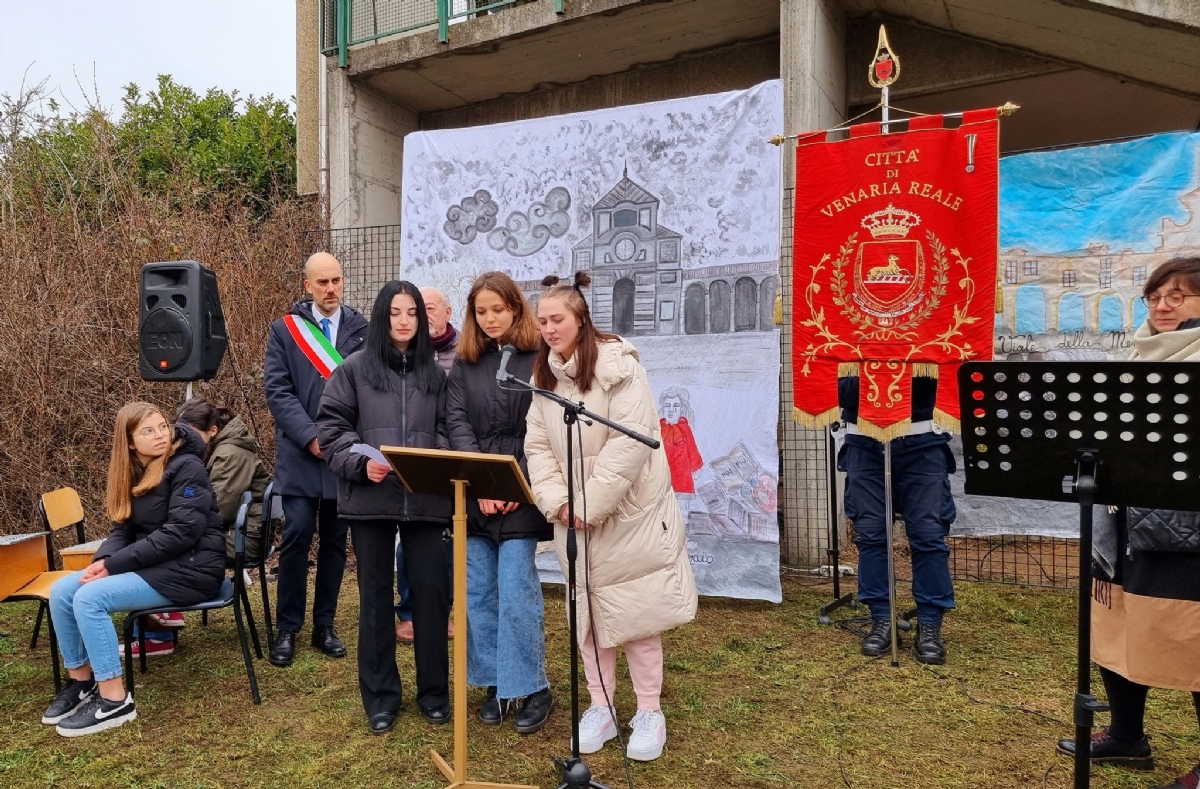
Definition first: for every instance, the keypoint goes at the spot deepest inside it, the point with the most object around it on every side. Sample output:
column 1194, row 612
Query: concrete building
column 372, row 71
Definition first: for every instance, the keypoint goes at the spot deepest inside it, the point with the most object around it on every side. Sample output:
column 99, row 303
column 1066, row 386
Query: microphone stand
column 575, row 772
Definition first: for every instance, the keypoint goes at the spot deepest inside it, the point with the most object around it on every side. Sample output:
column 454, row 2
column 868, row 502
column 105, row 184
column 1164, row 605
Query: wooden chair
column 59, row 509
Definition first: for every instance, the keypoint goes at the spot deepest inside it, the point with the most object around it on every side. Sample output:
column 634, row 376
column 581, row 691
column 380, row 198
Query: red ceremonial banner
column 894, row 266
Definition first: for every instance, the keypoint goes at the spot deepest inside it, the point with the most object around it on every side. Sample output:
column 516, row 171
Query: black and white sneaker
column 97, row 714
column 73, row 696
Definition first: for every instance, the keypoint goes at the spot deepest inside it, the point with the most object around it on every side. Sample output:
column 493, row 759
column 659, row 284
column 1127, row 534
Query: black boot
column 1106, row 750
column 325, row 639
column 283, row 649
column 879, row 641
column 535, row 711
column 491, row 711
column 928, row 648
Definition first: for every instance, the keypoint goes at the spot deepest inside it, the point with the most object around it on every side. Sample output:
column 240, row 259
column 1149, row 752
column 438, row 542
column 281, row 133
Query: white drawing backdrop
column 674, row 209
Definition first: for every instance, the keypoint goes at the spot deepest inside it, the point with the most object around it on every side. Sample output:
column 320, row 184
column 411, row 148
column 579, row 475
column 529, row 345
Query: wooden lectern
column 446, row 473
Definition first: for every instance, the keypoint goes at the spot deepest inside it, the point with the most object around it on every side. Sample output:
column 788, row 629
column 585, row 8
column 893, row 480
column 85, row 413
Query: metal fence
column 370, row 256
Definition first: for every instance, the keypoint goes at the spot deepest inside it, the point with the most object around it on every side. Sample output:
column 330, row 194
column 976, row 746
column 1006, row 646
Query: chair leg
column 204, row 618
column 129, row 620
column 237, row 615
column 142, row 622
column 37, row 624
column 54, row 655
column 262, row 582
column 250, row 622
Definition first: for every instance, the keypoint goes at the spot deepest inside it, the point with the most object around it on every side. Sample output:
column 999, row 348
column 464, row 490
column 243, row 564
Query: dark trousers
column 425, row 565
column 303, row 518
column 921, row 466
column 1128, row 701
column 404, row 607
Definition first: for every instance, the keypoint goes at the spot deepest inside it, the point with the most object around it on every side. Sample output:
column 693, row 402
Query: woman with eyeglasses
column 167, row 548
column 1146, row 577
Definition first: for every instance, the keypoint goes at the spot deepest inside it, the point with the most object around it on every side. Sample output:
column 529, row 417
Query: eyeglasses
column 151, row 432
column 1172, row 299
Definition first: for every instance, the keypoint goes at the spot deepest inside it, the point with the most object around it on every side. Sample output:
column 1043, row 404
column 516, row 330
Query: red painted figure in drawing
column 682, row 454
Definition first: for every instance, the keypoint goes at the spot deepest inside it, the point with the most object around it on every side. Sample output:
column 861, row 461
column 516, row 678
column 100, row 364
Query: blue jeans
column 83, row 623
column 506, row 643
column 921, row 465
column 404, row 607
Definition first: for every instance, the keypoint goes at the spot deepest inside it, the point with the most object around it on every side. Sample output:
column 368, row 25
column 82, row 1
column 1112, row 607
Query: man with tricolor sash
column 303, row 349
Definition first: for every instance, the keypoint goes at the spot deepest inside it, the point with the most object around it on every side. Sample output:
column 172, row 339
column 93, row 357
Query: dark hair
column 589, row 336
column 1186, row 270
column 524, row 331
column 428, row 374
column 203, row 415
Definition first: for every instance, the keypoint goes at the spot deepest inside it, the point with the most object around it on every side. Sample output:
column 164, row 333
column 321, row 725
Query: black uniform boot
column 879, row 641
column 928, row 648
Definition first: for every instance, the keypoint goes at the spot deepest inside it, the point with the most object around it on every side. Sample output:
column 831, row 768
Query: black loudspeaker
column 181, row 329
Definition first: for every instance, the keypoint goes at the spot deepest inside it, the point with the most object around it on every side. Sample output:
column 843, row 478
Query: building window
column 644, row 218
column 1106, row 272
column 625, row 218
column 605, row 223
column 1030, row 269
column 667, row 277
column 1010, row 272
column 1069, row 278
column 1139, row 275
column 666, row 310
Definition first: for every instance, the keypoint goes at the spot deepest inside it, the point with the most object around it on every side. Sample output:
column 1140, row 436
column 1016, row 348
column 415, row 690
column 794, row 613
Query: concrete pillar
column 308, row 61
column 812, row 43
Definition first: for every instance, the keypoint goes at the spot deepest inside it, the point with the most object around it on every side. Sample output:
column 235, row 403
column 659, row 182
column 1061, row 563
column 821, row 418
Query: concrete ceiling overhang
column 527, row 47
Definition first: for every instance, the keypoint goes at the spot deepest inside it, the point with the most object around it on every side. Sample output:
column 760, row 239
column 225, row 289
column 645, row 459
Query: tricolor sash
column 314, row 344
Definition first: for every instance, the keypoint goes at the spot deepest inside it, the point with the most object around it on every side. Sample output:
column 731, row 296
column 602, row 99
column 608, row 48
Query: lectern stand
column 445, row 473
column 1117, row 433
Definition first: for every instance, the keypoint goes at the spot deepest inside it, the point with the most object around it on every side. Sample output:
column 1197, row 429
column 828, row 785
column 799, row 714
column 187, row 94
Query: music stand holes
column 983, row 464
column 1023, row 378
column 1180, row 457
column 1048, row 397
column 1181, row 419
column 1000, row 378
column 1127, row 417
column 976, row 377
column 980, row 413
column 1048, row 377
column 1181, row 398
column 1025, row 396
column 1181, row 378
column 1075, row 434
column 1099, row 378
column 1127, row 436
column 1126, row 397
column 1026, row 433
column 1153, row 378
column 1002, row 432
column 1179, row 476
column 1074, row 397
column 1180, row 438
column 981, row 431
column 1051, row 433
column 1074, row 416
column 981, row 448
column 1073, row 377
column 1153, row 397
column 1050, row 416
column 1153, row 419
column 1153, row 437
column 1004, row 449
column 977, row 394
column 1126, row 378
column 1027, row 415
column 1005, row 466
column 1001, row 413
column 1099, row 397
column 1100, row 416
column 1101, row 435
column 1001, row 395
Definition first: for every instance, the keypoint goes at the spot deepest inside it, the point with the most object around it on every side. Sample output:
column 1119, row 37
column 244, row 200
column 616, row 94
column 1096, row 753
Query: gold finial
column 885, row 66
column 778, row 139
column 1008, row 108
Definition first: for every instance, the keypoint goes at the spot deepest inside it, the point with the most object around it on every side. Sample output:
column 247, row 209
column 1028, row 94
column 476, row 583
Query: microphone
column 506, row 353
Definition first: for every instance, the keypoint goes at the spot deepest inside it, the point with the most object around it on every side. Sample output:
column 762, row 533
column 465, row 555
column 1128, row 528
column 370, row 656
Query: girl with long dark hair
column 506, row 647
column 392, row 393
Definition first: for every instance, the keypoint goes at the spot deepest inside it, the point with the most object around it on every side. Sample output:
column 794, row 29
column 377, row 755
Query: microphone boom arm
column 580, row 411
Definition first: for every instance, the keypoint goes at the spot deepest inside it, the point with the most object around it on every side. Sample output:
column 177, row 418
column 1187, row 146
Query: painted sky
column 1060, row 201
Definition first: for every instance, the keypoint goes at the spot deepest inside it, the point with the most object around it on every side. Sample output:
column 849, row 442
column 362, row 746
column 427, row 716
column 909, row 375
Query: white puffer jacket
column 637, row 568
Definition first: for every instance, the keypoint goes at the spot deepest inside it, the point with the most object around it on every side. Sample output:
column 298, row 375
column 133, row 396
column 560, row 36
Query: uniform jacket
column 482, row 417
column 639, row 574
column 173, row 538
column 233, row 468
column 353, row 412
column 293, row 389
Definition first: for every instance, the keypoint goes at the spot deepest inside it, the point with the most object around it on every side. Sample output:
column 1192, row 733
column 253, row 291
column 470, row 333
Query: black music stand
column 1116, row 433
column 445, row 473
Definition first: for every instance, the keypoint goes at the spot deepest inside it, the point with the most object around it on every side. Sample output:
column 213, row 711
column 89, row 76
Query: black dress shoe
column 437, row 715
column 1106, row 750
column 928, row 648
column 879, row 641
column 491, row 711
column 535, row 711
column 326, row 640
column 283, row 649
column 382, row 722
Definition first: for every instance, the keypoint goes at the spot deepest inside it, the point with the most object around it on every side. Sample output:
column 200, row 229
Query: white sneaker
column 649, row 736
column 596, row 727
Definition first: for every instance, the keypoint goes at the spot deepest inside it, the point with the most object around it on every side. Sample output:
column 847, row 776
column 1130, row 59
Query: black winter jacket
column 353, row 412
column 174, row 538
column 482, row 417
column 293, row 388
column 1163, row 530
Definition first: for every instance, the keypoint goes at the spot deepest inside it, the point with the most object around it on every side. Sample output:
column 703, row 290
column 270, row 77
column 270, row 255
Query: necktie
column 325, row 328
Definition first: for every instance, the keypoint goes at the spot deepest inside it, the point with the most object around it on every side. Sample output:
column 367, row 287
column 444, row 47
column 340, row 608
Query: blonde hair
column 126, row 475
column 524, row 330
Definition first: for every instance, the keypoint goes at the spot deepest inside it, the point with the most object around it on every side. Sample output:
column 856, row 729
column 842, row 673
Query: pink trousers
column 645, row 659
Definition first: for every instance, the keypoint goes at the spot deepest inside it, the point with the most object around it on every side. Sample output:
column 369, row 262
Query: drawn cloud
column 524, row 234
column 472, row 216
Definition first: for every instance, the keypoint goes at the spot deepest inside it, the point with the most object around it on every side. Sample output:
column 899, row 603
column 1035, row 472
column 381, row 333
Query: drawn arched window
column 720, row 308
column 623, row 307
column 745, row 304
column 693, row 309
column 1140, row 313
column 1070, row 312
column 1031, row 310
column 766, row 303
column 625, row 218
column 1112, row 315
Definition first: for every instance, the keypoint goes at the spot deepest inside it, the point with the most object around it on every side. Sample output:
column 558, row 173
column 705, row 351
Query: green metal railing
column 345, row 23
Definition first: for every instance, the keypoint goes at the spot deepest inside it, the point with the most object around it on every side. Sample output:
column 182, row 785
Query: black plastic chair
column 272, row 510
column 233, row 593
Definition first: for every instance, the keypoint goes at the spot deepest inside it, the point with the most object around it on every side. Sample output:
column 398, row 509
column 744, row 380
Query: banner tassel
column 816, row 421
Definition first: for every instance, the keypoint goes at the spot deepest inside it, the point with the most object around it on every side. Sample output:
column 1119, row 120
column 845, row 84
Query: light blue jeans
column 506, row 643
column 82, row 615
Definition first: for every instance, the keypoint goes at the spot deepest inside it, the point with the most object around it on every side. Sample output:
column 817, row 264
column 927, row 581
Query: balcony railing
column 345, row 23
